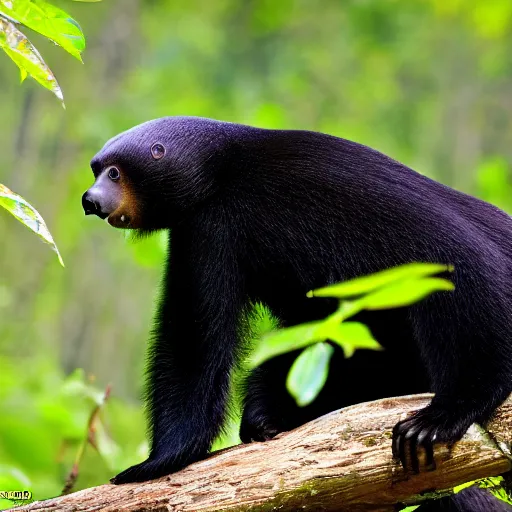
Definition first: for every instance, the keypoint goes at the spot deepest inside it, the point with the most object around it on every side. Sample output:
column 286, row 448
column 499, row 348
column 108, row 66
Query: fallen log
column 339, row 462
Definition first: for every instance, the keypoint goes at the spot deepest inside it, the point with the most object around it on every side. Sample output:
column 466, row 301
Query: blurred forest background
column 428, row 82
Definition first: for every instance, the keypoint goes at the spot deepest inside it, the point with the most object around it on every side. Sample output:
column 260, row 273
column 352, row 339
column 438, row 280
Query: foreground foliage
column 47, row 20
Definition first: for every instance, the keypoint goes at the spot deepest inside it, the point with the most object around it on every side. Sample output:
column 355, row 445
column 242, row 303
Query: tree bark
column 339, row 462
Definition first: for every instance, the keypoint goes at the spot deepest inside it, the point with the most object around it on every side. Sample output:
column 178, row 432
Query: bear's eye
column 157, row 151
column 113, row 173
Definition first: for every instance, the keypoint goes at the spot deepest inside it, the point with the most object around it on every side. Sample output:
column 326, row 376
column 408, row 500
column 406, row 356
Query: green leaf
column 16, row 45
column 404, row 293
column 308, row 373
column 49, row 21
column 348, row 335
column 28, row 215
column 463, row 486
column 351, row 336
column 23, row 74
column 369, row 283
column 287, row 339
column 88, row 1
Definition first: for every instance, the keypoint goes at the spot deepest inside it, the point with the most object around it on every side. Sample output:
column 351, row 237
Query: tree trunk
column 339, row 462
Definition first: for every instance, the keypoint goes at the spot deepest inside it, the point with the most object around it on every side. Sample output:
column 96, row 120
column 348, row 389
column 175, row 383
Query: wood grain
column 339, row 462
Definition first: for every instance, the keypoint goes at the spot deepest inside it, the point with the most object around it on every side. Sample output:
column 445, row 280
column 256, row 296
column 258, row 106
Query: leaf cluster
column 392, row 288
column 46, row 19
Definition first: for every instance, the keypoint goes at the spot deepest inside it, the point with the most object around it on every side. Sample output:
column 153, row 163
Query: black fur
column 471, row 499
column 267, row 215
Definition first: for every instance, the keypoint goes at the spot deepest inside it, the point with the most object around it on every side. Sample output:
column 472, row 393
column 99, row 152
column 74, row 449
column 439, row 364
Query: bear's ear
column 157, row 151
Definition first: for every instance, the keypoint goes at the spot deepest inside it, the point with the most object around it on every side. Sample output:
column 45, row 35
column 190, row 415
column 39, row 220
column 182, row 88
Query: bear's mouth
column 118, row 221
